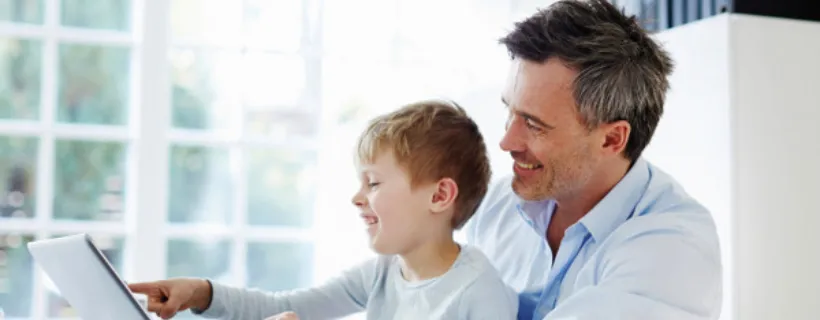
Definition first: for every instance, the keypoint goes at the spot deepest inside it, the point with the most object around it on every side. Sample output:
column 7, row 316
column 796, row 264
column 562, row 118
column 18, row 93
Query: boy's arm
column 342, row 295
column 488, row 298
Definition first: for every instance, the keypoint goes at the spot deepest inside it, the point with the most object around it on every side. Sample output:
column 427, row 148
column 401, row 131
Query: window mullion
column 148, row 205
column 45, row 153
column 238, row 257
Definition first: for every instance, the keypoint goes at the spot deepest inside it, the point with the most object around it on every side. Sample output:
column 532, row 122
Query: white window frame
column 144, row 227
column 47, row 131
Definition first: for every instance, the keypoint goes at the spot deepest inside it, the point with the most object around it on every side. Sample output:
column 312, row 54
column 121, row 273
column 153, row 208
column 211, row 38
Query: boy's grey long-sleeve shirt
column 470, row 290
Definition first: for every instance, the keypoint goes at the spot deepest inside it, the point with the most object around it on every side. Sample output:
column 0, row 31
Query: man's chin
column 527, row 192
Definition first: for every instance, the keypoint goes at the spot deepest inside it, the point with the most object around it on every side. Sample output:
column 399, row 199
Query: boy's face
column 394, row 214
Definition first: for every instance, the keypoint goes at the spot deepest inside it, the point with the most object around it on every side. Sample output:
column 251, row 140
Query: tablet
column 86, row 279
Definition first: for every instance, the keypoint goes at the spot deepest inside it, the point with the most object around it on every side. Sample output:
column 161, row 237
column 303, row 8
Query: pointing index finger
column 141, row 287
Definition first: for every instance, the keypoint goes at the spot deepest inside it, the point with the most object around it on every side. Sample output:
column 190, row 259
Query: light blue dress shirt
column 645, row 251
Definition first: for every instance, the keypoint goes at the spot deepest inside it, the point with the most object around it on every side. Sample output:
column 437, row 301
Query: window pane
column 281, row 125
column 274, row 97
column 89, row 180
column 25, row 11
column 273, row 24
column 201, row 186
column 359, row 28
column 272, row 80
column 19, row 78
column 205, row 88
column 112, row 249
column 281, row 187
column 18, row 173
column 16, row 275
column 279, row 266
column 199, row 258
column 97, row 14
column 93, row 84
column 438, row 29
column 213, row 22
column 355, row 90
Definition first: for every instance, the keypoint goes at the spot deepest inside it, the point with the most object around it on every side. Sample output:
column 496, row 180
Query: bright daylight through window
column 213, row 138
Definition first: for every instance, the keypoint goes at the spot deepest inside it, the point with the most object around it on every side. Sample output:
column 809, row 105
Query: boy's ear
column 444, row 196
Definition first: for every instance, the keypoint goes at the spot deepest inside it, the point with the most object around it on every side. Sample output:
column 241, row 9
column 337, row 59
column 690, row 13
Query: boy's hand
column 284, row 316
column 167, row 297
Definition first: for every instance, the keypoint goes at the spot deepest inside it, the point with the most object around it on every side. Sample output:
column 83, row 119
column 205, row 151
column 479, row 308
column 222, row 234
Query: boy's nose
column 359, row 200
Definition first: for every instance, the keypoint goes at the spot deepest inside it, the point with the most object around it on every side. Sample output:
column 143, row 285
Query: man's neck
column 429, row 260
column 571, row 208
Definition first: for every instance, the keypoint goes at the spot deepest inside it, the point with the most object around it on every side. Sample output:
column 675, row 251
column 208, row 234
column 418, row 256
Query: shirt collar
column 619, row 204
column 615, row 208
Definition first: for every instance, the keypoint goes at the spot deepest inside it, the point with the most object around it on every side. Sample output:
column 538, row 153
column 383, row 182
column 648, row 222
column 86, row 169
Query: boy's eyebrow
column 528, row 116
column 368, row 170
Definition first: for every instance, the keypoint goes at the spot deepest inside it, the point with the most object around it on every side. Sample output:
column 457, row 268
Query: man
column 585, row 228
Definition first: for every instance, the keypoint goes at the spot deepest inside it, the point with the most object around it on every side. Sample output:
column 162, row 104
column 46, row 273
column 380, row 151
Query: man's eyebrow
column 528, row 116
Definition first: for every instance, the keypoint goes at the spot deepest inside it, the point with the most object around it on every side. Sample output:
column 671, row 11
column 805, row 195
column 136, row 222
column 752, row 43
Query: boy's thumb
column 170, row 308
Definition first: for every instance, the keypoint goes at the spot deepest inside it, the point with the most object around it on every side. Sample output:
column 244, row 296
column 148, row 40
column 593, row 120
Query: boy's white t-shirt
column 470, row 290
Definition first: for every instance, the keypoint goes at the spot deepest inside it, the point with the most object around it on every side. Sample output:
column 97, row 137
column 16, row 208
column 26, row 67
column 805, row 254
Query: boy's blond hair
column 432, row 140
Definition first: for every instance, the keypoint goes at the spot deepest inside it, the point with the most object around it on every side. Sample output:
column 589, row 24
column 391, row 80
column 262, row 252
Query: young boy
column 423, row 170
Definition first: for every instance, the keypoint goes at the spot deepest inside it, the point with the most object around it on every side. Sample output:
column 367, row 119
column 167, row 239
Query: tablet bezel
column 101, row 259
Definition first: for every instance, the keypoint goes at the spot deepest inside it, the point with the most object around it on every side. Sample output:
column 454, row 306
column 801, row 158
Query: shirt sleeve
column 341, row 296
column 660, row 273
column 488, row 298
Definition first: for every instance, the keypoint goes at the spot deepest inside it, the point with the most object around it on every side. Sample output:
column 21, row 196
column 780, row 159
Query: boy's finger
column 141, row 287
column 154, row 306
column 170, row 307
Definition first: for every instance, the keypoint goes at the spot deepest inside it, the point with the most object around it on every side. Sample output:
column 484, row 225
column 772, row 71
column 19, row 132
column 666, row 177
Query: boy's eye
column 373, row 184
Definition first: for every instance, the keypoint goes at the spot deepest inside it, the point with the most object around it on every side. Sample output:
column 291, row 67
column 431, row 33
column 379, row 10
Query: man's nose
column 513, row 140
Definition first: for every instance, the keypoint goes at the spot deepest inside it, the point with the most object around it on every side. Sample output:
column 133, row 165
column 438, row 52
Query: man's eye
column 373, row 184
column 531, row 125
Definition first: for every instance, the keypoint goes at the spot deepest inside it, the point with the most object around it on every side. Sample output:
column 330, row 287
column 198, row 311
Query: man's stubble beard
column 557, row 181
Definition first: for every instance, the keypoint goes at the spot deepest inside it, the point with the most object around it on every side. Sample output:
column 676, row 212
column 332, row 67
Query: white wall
column 741, row 82
column 692, row 141
column 776, row 108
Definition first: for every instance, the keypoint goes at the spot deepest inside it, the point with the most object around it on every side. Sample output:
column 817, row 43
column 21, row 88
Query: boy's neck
column 429, row 260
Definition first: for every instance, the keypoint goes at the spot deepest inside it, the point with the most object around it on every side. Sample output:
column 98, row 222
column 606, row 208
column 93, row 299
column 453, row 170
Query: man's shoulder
column 666, row 208
column 500, row 188
column 499, row 195
column 495, row 206
column 663, row 193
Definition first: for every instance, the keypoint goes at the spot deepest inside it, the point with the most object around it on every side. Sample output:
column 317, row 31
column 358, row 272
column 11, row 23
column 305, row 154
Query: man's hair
column 622, row 71
column 433, row 140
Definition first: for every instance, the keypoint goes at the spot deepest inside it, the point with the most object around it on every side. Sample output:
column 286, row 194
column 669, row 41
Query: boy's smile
column 371, row 221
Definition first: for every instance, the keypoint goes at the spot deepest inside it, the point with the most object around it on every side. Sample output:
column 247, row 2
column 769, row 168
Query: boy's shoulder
column 476, row 272
column 486, row 296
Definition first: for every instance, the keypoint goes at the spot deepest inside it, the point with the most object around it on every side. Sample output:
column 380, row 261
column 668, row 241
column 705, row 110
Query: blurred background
column 213, row 138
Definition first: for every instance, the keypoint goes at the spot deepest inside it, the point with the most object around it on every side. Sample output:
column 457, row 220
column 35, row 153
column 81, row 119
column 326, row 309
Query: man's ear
column 444, row 195
column 615, row 136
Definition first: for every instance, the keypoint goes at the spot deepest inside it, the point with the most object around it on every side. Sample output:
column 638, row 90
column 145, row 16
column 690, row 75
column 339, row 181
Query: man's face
column 555, row 154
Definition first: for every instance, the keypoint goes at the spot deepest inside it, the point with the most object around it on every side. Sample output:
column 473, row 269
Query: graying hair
column 622, row 72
